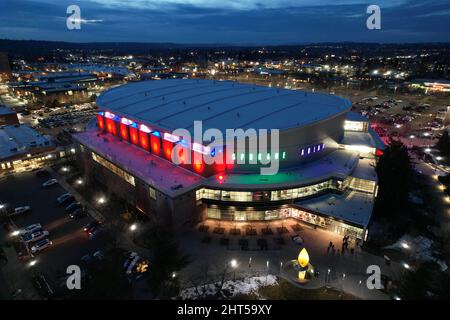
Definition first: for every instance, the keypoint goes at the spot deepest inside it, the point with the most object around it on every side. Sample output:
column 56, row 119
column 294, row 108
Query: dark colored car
column 91, row 225
column 78, row 214
column 73, row 206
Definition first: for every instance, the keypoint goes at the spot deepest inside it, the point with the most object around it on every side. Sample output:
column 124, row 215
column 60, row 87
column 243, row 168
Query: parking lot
column 70, row 243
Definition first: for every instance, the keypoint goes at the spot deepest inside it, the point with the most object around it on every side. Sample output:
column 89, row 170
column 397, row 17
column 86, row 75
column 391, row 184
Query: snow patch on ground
column 419, row 248
column 244, row 286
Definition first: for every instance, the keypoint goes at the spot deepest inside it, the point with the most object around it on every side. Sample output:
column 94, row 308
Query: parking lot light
column 32, row 263
column 15, row 233
column 397, row 298
column 174, row 275
column 133, row 227
column 439, row 158
column 405, row 245
column 406, row 266
column 233, row 263
column 101, row 200
column 427, row 150
column 65, row 169
column 79, row 181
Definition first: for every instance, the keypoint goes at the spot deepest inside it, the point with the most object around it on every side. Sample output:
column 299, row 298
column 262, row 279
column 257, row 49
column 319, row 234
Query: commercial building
column 7, row 116
column 326, row 154
column 23, row 149
column 5, row 69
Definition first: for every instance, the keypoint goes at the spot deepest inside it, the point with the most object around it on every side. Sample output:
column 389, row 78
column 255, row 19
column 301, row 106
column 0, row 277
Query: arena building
column 326, row 154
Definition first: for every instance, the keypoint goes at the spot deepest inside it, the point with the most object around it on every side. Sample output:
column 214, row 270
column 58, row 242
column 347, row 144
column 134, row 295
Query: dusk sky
column 227, row 21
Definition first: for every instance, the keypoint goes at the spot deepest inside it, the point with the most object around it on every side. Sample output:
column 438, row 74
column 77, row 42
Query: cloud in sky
column 227, row 21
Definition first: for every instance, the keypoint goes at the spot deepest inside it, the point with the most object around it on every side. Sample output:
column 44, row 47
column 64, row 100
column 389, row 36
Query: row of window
column 288, row 194
column 247, row 196
column 311, row 149
column 249, row 214
column 112, row 167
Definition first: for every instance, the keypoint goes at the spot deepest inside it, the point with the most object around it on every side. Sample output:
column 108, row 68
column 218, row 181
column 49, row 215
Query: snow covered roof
column 354, row 207
column 177, row 103
column 17, row 139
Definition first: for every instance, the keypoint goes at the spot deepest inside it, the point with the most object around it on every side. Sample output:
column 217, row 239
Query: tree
column 426, row 282
column 395, row 179
column 167, row 260
column 443, row 144
column 104, row 280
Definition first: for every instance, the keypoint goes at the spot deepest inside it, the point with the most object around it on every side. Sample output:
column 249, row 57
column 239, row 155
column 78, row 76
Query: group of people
column 345, row 242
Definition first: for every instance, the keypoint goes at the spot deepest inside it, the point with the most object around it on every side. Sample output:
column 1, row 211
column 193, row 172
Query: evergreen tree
column 395, row 179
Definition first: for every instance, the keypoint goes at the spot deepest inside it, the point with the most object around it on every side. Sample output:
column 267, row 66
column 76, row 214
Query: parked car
column 63, row 197
column 20, row 210
column 78, row 214
column 49, row 183
column 30, row 228
column 97, row 232
column 35, row 236
column 41, row 245
column 68, row 200
column 73, row 206
column 297, row 239
column 91, row 225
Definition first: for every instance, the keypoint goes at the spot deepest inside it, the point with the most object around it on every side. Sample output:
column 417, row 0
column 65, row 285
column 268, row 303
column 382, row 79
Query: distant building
column 5, row 69
column 22, row 149
column 7, row 116
column 438, row 85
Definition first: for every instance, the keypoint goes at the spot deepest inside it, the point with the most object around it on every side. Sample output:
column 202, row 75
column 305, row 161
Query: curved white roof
column 177, row 103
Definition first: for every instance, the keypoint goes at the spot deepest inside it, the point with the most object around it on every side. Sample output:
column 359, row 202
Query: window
column 112, row 167
column 152, row 193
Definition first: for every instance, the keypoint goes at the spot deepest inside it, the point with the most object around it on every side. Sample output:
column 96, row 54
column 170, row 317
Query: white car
column 20, row 210
column 35, row 236
column 41, row 245
column 49, row 183
column 30, row 228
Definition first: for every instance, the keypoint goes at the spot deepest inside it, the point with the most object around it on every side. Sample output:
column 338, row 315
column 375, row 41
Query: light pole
column 133, row 229
column 234, row 265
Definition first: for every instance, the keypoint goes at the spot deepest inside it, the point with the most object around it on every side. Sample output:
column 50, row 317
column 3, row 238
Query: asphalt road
column 70, row 243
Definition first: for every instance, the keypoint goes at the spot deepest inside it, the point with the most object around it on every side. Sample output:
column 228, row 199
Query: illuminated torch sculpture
column 303, row 267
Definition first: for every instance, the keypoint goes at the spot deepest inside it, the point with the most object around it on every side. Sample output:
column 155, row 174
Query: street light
column 15, row 233
column 234, row 264
column 427, row 150
column 79, row 181
column 405, row 245
column 32, row 263
column 133, row 227
column 101, row 200
column 406, row 266
column 439, row 158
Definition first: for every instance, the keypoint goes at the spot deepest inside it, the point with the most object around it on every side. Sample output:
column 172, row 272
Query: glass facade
column 276, row 195
column 360, row 126
column 112, row 167
column 253, row 214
